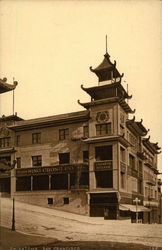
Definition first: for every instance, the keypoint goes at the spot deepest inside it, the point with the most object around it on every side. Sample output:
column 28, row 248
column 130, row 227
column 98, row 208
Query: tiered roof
column 153, row 147
column 106, row 70
column 5, row 87
column 107, row 91
column 110, row 88
column 137, row 127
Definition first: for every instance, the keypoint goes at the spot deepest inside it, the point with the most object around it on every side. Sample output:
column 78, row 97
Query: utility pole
column 136, row 201
column 13, row 216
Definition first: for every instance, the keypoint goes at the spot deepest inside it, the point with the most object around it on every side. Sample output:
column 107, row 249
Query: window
column 5, row 142
column 122, row 154
column 132, row 161
column 23, row 183
column 66, row 200
column 122, row 178
column 59, row 181
column 103, row 153
column 103, row 129
column 140, row 186
column 50, row 201
column 18, row 140
column 85, row 131
column 40, row 182
column 104, row 179
column 36, row 138
column 37, row 161
column 85, row 156
column 64, row 158
column 155, row 194
column 140, row 166
column 18, row 162
column 84, row 179
column 63, row 134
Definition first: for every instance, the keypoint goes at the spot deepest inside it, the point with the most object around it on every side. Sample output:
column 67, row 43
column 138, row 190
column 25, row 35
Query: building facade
column 96, row 161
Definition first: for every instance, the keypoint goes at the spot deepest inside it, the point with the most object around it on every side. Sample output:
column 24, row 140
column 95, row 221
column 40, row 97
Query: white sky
column 48, row 47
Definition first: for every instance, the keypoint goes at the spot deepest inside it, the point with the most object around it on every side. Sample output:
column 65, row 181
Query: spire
column 107, row 70
column 106, row 44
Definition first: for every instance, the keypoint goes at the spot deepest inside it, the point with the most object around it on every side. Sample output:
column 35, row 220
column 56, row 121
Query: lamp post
column 13, row 216
column 136, row 201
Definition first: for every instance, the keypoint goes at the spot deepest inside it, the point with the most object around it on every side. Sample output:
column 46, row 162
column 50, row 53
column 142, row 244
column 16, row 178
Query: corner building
column 95, row 161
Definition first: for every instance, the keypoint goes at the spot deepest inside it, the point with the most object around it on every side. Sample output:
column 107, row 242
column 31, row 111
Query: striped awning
column 132, row 208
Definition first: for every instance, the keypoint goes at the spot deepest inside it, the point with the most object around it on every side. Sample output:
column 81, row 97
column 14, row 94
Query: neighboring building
column 5, row 87
column 95, row 161
column 7, row 151
column 160, row 201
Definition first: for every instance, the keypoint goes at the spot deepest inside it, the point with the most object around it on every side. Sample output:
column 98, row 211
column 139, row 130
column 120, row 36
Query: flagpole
column 13, row 99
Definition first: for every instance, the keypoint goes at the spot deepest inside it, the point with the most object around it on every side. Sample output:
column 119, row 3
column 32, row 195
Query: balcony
column 133, row 172
column 148, row 163
column 150, row 181
column 103, row 165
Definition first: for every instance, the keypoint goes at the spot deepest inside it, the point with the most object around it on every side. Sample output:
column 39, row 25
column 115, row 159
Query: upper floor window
column 64, row 158
column 122, row 179
column 85, row 156
column 37, row 160
column 103, row 153
column 18, row 140
column 18, row 162
column 63, row 134
column 132, row 161
column 103, row 129
column 5, row 142
column 140, row 166
column 85, row 131
column 36, row 138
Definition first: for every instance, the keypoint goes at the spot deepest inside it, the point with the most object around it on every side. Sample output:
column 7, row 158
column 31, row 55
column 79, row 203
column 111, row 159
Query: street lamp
column 4, row 167
column 136, row 201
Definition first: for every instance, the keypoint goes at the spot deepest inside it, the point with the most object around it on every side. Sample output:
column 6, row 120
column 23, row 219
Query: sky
column 48, row 47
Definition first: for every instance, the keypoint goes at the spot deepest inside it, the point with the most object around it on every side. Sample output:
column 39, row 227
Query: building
column 5, row 87
column 96, row 161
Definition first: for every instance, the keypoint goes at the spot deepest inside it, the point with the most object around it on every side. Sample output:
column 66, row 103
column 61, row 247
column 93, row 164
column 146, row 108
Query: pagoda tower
column 108, row 110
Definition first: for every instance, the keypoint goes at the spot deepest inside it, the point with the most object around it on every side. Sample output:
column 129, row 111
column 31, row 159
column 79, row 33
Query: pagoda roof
column 106, row 66
column 120, row 138
column 51, row 121
column 121, row 101
column 107, row 90
column 10, row 118
column 5, row 87
column 137, row 127
column 153, row 147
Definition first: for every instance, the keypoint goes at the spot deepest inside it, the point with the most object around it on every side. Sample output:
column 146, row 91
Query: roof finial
column 106, row 44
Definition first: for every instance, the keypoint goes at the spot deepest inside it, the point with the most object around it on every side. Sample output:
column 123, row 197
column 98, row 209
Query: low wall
column 77, row 200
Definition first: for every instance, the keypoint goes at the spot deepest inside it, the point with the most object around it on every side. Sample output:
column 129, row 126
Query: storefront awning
column 132, row 208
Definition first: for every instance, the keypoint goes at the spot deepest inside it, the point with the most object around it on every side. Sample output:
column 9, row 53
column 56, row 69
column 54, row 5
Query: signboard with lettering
column 103, row 165
column 51, row 170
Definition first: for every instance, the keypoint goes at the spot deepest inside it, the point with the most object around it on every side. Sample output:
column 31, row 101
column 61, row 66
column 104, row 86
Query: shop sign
column 103, row 165
column 50, row 170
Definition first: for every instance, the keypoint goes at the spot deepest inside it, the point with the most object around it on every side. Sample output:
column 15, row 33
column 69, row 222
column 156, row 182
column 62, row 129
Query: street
column 64, row 226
